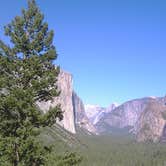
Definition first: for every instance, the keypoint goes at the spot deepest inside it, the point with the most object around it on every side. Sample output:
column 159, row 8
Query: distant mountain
column 143, row 117
column 95, row 112
column 124, row 115
column 134, row 115
column 151, row 125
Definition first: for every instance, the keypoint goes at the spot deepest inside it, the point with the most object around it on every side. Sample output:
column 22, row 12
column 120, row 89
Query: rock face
column 65, row 84
column 146, row 117
column 125, row 115
column 81, row 118
column 143, row 117
column 95, row 113
column 151, row 124
column 72, row 106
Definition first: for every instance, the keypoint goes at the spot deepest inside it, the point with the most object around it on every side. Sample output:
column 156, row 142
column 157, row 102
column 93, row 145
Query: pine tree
column 27, row 75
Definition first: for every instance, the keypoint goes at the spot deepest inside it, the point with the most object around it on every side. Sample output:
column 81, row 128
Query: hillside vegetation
column 105, row 150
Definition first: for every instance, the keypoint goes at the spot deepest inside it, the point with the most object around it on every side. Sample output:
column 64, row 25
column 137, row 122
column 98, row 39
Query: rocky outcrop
column 81, row 118
column 95, row 112
column 65, row 84
column 143, row 117
column 72, row 106
column 125, row 115
column 151, row 124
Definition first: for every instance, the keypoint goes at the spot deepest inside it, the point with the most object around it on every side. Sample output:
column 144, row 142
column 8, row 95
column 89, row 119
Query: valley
column 130, row 134
column 115, row 51
column 108, row 150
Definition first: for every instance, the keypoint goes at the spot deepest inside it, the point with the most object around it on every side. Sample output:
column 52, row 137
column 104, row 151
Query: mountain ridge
column 132, row 115
column 94, row 119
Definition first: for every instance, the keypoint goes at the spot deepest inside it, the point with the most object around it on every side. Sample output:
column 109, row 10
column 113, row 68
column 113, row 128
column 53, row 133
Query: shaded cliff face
column 143, row 117
column 81, row 118
column 151, row 124
column 65, row 84
column 72, row 106
column 125, row 115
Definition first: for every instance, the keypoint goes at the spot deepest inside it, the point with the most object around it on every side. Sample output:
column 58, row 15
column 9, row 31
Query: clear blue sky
column 115, row 49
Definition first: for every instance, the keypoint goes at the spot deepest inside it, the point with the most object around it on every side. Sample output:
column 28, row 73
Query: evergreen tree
column 27, row 75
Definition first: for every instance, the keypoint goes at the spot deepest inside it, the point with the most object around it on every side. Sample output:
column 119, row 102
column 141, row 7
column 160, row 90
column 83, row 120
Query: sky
column 115, row 49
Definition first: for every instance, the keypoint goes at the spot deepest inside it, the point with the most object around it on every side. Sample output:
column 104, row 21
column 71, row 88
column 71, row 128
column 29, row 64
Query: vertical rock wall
column 81, row 118
column 150, row 126
column 65, row 83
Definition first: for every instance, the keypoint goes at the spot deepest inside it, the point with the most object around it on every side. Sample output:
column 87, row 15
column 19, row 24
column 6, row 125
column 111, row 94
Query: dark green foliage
column 112, row 150
column 106, row 150
column 64, row 146
column 27, row 75
column 67, row 159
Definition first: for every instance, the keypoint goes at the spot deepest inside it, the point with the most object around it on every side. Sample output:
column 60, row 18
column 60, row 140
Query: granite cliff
column 151, row 125
column 95, row 112
column 143, row 117
column 124, row 115
column 72, row 106
column 81, row 118
column 65, row 99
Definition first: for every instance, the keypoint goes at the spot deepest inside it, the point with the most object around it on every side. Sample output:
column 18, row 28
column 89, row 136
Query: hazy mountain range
column 95, row 112
column 145, row 118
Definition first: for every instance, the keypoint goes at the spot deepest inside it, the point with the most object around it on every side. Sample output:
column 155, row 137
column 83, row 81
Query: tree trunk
column 16, row 160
